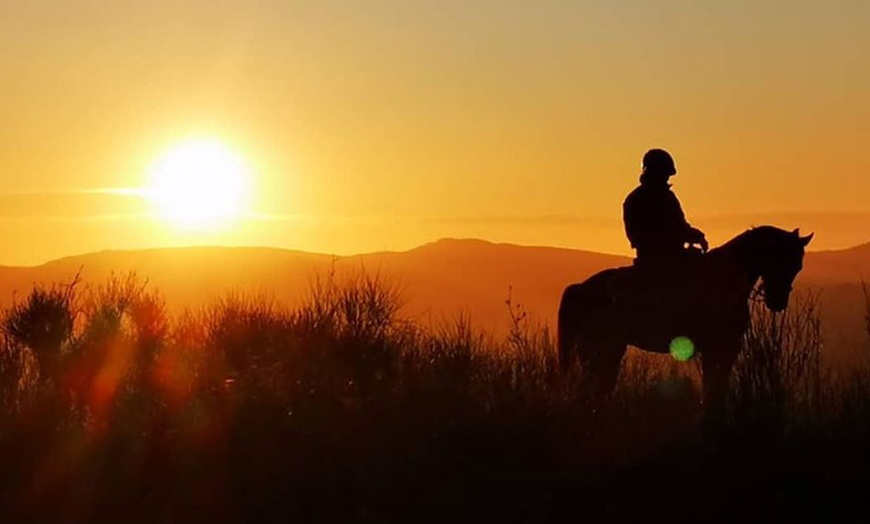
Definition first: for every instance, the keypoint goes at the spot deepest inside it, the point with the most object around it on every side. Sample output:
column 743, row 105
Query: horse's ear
column 806, row 240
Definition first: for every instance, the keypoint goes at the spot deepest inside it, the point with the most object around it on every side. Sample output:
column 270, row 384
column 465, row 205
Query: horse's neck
column 743, row 254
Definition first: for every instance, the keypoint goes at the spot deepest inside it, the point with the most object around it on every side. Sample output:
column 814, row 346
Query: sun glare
column 200, row 184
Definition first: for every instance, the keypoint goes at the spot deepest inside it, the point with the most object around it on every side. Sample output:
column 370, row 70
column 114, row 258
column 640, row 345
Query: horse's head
column 781, row 263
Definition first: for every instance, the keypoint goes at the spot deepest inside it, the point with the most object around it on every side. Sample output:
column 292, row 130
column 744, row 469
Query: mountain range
column 438, row 280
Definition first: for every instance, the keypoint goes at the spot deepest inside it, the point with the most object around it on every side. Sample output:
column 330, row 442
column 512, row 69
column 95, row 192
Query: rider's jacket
column 654, row 221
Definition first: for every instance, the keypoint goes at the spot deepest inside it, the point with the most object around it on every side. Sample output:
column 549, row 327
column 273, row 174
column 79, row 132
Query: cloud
column 85, row 204
column 462, row 220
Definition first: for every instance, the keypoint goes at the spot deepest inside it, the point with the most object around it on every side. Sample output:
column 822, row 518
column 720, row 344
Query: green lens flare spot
column 682, row 348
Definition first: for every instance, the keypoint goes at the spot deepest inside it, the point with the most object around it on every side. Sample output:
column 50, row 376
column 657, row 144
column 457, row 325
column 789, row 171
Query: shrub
column 777, row 376
column 866, row 289
column 44, row 323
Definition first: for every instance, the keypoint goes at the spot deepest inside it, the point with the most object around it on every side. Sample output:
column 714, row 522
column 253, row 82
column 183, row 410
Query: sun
column 200, row 184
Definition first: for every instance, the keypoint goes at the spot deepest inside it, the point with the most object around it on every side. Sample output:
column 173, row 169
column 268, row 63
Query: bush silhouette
column 340, row 409
column 44, row 323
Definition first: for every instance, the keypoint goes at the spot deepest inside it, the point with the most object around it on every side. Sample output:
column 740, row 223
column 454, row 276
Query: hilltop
column 438, row 280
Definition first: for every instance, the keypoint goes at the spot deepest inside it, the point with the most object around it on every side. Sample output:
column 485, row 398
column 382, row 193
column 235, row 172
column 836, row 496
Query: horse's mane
column 751, row 237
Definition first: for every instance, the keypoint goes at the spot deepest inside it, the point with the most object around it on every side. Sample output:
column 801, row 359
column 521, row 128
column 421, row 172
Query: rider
column 654, row 221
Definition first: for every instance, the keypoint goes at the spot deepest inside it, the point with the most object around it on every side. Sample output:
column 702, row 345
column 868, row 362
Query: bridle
column 757, row 294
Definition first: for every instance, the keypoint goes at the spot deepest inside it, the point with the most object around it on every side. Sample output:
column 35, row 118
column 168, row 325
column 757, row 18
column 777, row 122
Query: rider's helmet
column 659, row 161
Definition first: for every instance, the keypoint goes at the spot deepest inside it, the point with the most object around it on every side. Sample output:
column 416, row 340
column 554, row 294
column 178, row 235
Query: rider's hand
column 697, row 237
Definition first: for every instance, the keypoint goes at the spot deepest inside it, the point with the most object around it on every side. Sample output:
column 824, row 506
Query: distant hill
column 838, row 267
column 438, row 279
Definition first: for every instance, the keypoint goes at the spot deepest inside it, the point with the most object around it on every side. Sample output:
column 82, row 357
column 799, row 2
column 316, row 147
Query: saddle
column 647, row 284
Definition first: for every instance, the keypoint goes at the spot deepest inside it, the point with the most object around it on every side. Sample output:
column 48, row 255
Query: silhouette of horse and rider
column 676, row 289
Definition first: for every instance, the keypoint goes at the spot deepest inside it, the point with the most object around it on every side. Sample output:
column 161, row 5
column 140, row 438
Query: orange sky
column 383, row 125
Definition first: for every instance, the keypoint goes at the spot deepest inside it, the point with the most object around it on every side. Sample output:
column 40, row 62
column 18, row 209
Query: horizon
column 366, row 253
column 833, row 231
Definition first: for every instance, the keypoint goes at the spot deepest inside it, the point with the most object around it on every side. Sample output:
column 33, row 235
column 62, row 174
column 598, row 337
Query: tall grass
column 866, row 290
column 778, row 379
column 343, row 410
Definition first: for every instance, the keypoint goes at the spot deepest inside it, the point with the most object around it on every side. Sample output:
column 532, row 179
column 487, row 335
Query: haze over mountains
column 438, row 280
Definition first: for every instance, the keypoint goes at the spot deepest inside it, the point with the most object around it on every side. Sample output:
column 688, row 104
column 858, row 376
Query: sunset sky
column 382, row 125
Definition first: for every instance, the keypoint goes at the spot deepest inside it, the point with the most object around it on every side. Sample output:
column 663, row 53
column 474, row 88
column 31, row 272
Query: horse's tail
column 567, row 328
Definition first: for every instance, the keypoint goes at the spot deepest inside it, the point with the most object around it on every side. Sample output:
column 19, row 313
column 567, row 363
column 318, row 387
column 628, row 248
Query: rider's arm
column 692, row 235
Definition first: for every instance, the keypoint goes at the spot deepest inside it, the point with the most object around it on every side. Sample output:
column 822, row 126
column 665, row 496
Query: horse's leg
column 599, row 362
column 716, row 363
column 568, row 340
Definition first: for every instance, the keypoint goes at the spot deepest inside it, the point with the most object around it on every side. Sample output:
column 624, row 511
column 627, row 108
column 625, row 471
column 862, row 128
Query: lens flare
column 682, row 348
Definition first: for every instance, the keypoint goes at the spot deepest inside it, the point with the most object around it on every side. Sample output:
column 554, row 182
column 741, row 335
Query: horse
column 704, row 304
